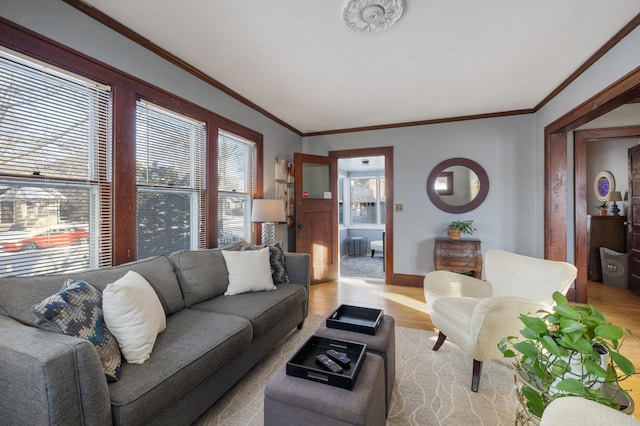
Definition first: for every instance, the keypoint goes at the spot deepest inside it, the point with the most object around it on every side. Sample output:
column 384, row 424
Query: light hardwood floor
column 408, row 307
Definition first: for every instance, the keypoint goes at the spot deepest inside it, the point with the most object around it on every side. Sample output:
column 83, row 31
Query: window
column 236, row 187
column 170, row 164
column 368, row 199
column 55, row 170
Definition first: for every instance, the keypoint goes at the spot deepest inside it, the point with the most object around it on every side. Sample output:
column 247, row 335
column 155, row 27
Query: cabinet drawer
column 447, row 253
column 453, row 262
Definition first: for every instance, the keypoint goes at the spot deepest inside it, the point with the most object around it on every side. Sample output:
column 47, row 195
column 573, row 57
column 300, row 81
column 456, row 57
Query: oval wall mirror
column 457, row 185
column 603, row 184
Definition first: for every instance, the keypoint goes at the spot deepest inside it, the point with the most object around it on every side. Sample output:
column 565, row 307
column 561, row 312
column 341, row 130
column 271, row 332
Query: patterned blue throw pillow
column 76, row 310
column 277, row 260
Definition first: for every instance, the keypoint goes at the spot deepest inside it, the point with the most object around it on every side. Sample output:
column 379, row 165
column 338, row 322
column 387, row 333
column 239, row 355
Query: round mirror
column 457, row 185
column 603, row 184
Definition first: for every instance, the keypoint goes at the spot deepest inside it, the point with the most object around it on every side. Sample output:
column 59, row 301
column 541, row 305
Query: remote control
column 324, row 361
column 339, row 357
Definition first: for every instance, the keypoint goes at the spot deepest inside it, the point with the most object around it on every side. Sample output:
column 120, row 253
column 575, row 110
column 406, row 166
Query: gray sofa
column 210, row 342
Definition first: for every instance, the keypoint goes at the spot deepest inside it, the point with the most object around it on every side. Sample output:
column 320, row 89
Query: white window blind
column 55, row 170
column 170, row 165
column 236, row 187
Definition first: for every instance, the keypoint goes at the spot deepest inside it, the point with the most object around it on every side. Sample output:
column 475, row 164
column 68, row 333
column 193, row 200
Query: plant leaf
column 594, row 368
column 560, row 298
column 526, row 348
column 570, row 326
column 609, row 331
column 535, row 403
column 567, row 312
column 572, row 386
column 534, row 323
column 549, row 344
column 623, row 363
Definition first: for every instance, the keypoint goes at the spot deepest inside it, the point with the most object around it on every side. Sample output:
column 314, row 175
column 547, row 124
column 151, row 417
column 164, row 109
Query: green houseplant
column 455, row 228
column 604, row 208
column 572, row 350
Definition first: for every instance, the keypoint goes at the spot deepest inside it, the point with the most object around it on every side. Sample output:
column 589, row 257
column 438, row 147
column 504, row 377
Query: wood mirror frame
column 465, row 162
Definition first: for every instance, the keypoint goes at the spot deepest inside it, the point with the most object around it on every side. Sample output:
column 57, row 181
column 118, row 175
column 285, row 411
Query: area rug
column 362, row 267
column 432, row 388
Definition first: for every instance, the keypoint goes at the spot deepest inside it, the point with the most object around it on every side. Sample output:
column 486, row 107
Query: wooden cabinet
column 604, row 231
column 463, row 256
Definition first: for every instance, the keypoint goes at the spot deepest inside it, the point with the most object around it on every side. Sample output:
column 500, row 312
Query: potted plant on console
column 604, row 208
column 572, row 350
column 455, row 228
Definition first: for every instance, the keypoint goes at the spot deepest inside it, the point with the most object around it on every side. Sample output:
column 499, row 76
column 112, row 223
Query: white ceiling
column 300, row 62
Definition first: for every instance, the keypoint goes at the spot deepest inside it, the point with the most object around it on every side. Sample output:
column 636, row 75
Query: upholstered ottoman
column 383, row 343
column 290, row 400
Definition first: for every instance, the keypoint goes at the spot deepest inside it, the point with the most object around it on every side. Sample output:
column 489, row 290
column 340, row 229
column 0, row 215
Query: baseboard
column 408, row 280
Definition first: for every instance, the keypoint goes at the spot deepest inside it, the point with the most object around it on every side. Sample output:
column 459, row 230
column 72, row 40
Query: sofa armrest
column 50, row 378
column 299, row 271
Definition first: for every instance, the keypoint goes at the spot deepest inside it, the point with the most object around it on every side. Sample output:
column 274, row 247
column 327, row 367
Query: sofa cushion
column 277, row 262
column 202, row 274
column 194, row 344
column 19, row 294
column 248, row 271
column 263, row 309
column 134, row 315
column 76, row 310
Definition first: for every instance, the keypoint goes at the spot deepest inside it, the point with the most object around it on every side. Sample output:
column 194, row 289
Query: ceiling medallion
column 369, row 16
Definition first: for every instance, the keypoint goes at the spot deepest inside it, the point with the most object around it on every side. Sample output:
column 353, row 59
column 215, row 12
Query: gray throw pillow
column 76, row 310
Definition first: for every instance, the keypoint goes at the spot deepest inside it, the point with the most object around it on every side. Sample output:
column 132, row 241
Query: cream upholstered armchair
column 475, row 314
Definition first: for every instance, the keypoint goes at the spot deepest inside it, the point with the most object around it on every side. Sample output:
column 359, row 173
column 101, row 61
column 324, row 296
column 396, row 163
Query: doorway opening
column 365, row 214
column 361, row 217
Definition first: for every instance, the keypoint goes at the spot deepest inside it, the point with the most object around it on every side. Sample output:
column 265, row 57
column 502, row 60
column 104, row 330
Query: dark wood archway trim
column 623, row 91
column 582, row 188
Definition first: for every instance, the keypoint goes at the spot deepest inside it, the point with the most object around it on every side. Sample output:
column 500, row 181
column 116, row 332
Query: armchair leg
column 440, row 341
column 477, row 370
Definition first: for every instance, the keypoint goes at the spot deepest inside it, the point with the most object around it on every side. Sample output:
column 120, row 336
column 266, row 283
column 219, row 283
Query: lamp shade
column 268, row 211
column 614, row 196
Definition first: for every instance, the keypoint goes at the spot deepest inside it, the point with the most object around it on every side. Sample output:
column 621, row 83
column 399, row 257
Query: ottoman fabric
column 292, row 400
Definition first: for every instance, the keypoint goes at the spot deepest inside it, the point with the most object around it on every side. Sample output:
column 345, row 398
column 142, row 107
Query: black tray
column 356, row 318
column 303, row 363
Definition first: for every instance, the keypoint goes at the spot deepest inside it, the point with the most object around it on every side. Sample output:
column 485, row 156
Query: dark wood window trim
column 126, row 90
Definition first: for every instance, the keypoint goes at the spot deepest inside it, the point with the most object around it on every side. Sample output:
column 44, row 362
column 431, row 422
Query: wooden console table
column 463, row 256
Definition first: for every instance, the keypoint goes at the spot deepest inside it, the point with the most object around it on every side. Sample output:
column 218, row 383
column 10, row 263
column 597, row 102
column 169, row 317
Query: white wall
column 505, row 148
column 62, row 23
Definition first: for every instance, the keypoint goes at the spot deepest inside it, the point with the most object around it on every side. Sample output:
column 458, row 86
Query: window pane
column 233, row 219
column 363, row 200
column 55, row 170
column 164, row 221
column 236, row 186
column 170, row 177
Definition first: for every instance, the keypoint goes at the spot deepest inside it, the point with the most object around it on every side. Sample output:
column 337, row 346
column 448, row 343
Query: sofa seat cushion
column 263, row 309
column 194, row 344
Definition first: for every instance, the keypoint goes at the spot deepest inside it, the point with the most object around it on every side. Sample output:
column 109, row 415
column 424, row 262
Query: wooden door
column 316, row 192
column 633, row 214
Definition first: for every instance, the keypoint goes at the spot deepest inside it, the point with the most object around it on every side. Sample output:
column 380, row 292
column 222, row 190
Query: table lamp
column 614, row 196
column 268, row 212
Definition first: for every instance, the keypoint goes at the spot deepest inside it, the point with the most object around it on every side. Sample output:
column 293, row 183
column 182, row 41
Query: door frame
column 583, row 186
column 556, row 173
column 387, row 152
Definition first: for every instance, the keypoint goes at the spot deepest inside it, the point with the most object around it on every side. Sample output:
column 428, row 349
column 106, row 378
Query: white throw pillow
column 134, row 315
column 248, row 271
